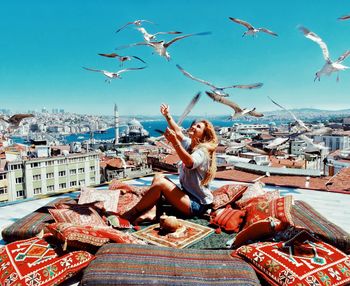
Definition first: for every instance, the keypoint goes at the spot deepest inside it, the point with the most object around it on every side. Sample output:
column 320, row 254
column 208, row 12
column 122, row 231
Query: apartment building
column 39, row 176
column 3, row 186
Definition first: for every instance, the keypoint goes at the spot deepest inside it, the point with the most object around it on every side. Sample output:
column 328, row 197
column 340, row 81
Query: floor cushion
column 128, row 264
column 33, row 223
column 303, row 260
column 304, row 216
column 35, row 262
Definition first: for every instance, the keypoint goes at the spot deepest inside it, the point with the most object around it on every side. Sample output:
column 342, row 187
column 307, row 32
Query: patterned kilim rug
column 186, row 235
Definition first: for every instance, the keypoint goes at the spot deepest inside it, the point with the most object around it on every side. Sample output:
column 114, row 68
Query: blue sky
column 44, row 45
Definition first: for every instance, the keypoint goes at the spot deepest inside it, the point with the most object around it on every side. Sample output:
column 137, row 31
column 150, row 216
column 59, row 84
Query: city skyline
column 45, row 45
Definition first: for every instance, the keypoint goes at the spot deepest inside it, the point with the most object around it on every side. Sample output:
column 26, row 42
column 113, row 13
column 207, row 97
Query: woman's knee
column 158, row 179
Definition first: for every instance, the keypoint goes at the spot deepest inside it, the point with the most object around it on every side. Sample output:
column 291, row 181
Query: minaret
column 116, row 124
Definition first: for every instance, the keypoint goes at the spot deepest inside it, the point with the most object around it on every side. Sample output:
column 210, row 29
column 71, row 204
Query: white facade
column 334, row 142
column 29, row 178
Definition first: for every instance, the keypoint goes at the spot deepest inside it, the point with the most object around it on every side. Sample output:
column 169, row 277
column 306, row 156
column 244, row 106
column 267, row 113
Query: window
column 92, row 179
column 3, row 191
column 61, row 173
column 61, row 161
column 92, row 168
column 2, row 177
column 81, row 182
column 72, row 171
column 34, row 165
column 16, row 167
column 81, row 170
column 73, row 183
column 37, row 191
column 49, row 163
column 20, row 194
column 50, row 188
column 36, row 177
column 62, row 186
column 19, row 180
column 49, row 175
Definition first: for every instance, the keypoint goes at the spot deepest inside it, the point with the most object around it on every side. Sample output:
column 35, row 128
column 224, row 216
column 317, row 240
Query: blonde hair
column 208, row 143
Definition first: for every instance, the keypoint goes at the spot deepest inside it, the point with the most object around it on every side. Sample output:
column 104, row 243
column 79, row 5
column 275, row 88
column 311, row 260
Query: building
column 3, row 186
column 334, row 142
column 28, row 178
column 134, row 133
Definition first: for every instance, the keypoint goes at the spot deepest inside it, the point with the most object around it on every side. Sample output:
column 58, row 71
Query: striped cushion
column 129, row 264
column 306, row 217
column 33, row 223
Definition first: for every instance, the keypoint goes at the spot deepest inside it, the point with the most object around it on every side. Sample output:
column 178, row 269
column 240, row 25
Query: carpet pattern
column 129, row 264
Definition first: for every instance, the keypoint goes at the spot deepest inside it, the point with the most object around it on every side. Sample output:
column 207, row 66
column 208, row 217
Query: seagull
column 136, row 23
column 219, row 90
column 16, row 119
column 122, row 59
column 149, row 37
column 330, row 66
column 311, row 142
column 113, row 75
column 298, row 121
column 161, row 47
column 189, row 108
column 239, row 112
column 251, row 30
column 275, row 143
column 346, row 17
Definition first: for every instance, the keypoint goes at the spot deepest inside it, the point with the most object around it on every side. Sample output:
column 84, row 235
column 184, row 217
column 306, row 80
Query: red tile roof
column 341, row 182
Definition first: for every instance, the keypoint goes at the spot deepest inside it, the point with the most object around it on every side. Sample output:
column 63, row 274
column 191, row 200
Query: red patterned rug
column 186, row 235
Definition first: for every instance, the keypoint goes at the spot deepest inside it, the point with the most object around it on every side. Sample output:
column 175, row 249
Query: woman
column 196, row 169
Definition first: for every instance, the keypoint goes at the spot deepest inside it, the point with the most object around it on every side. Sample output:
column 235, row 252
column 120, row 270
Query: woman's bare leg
column 160, row 186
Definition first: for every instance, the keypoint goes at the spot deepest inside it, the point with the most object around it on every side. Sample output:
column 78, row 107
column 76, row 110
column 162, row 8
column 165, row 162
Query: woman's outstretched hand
column 170, row 135
column 164, row 109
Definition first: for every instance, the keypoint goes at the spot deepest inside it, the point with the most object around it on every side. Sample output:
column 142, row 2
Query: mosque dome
column 134, row 123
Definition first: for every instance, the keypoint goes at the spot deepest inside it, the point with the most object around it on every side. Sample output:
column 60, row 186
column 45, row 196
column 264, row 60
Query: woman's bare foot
column 149, row 215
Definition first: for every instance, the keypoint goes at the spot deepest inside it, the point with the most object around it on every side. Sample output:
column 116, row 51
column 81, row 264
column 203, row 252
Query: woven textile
column 187, row 234
column 227, row 194
column 34, row 262
column 33, row 223
column 79, row 215
column 306, row 217
column 128, row 264
column 109, row 198
column 303, row 260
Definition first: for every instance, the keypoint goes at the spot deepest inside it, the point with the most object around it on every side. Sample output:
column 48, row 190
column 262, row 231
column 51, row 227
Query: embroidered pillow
column 77, row 236
column 268, row 196
column 35, row 262
column 256, row 231
column 228, row 218
column 303, row 260
column 227, row 194
column 78, row 215
column 252, row 191
column 278, row 208
column 108, row 197
column 128, row 200
column 119, row 185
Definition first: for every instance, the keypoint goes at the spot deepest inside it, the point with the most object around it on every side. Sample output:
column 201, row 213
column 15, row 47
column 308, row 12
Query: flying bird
column 136, row 23
column 330, row 66
column 251, row 30
column 122, row 59
column 309, row 141
column 239, row 112
column 219, row 90
column 15, row 120
column 150, row 37
column 346, row 17
column 113, row 75
column 277, row 142
column 298, row 121
column 161, row 47
column 189, row 108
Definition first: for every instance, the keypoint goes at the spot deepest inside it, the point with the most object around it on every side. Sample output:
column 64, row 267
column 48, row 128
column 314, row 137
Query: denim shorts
column 196, row 207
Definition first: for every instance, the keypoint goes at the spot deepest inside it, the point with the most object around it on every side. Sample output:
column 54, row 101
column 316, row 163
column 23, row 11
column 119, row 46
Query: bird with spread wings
column 238, row 111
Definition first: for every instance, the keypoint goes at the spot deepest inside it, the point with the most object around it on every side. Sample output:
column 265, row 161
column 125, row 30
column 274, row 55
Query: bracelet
column 176, row 145
column 168, row 116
